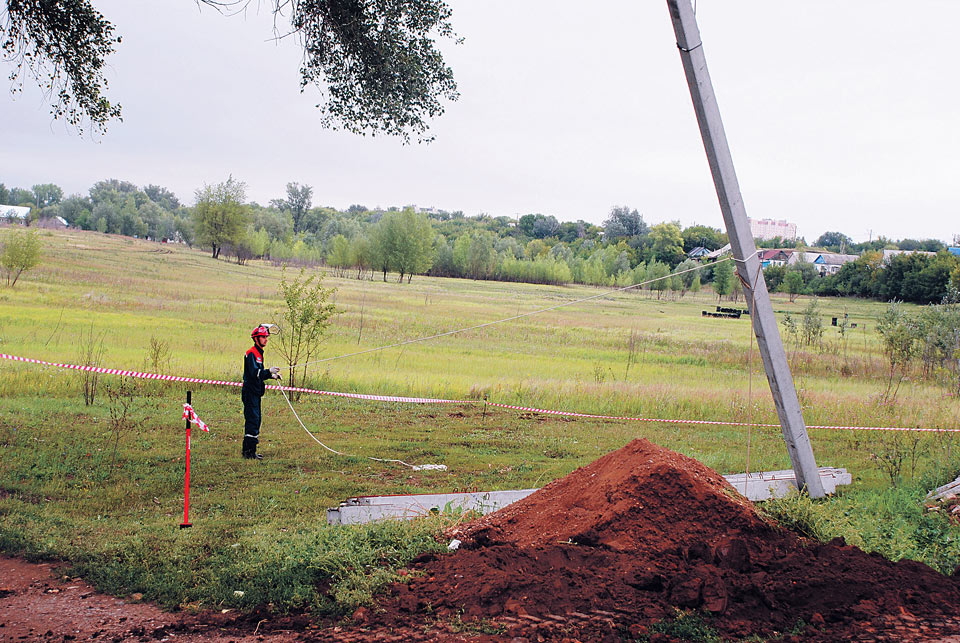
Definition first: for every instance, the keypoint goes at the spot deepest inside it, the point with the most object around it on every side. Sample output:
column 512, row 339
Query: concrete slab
column 369, row 508
column 755, row 486
column 776, row 484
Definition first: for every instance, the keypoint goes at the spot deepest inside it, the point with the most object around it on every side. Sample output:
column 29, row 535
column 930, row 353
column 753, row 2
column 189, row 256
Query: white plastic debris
column 429, row 467
column 454, row 545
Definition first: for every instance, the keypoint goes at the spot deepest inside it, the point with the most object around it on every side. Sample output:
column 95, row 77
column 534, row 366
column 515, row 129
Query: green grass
column 74, row 487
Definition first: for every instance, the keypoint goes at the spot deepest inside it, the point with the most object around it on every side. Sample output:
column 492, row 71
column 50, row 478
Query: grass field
column 101, row 485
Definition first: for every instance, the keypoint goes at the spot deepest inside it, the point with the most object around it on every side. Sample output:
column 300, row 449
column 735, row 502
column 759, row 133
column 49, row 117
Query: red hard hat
column 260, row 331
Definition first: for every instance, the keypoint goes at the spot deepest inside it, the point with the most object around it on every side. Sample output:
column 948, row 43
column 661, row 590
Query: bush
column 21, row 252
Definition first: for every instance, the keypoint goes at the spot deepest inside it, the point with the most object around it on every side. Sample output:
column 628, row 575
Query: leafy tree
column 298, row 203
column 220, row 216
column 474, row 256
column 162, row 197
column 687, row 278
column 623, row 222
column 305, row 318
column 62, row 46
column 774, row 276
column 667, row 243
column 20, row 252
column 793, row 284
column 703, row 236
column 722, row 278
column 340, row 255
column 45, row 194
column 413, row 250
column 76, row 210
column 376, row 62
column 545, row 226
column 833, row 240
column 19, row 196
column 4, row 195
column 899, row 334
column 661, row 273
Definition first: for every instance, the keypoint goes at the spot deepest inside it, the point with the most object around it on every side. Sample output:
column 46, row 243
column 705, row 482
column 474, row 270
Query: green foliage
column 297, row 203
column 220, row 216
column 402, row 242
column 378, row 64
column 722, row 278
column 21, row 251
column 474, row 255
column 63, row 46
column 811, row 330
column 774, row 276
column 793, row 284
column 305, row 318
column 900, row 336
column 667, row 243
column 704, row 237
column 834, row 241
column 686, row 626
column 892, row 522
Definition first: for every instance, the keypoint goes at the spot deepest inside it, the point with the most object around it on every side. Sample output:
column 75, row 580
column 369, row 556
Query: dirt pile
column 622, row 543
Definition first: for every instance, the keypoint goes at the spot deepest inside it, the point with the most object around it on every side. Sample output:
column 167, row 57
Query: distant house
column 890, row 254
column 698, row 253
column 797, row 256
column 954, row 251
column 829, row 263
column 719, row 252
column 773, row 257
column 53, row 223
column 14, row 213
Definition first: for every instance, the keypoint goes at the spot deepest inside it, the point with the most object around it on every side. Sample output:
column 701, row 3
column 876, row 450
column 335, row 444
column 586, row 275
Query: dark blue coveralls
column 253, row 388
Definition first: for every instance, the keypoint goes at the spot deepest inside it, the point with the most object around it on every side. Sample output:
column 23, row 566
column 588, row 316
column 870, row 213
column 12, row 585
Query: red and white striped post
column 186, row 482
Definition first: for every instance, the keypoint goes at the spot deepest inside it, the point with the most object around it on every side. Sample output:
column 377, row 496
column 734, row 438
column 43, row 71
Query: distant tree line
column 535, row 248
column 913, row 277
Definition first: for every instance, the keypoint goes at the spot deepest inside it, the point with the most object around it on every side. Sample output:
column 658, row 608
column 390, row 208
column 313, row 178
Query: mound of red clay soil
column 616, row 546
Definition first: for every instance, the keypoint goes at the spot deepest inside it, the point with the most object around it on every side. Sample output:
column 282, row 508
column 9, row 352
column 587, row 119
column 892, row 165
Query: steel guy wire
column 507, row 319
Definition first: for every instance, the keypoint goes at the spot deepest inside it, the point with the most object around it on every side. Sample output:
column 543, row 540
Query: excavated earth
column 600, row 555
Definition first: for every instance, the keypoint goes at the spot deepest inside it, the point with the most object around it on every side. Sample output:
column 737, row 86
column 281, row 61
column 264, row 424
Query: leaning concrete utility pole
column 744, row 251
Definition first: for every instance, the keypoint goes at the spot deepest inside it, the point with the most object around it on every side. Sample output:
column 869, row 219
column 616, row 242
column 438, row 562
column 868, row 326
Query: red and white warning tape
column 190, row 414
column 713, row 422
column 427, row 400
column 196, row 380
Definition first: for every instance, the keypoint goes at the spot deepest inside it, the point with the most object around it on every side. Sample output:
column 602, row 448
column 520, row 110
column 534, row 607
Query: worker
column 253, row 388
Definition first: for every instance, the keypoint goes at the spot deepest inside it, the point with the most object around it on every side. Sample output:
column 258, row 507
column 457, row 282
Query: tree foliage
column 220, row 216
column 20, row 252
column 63, row 46
column 297, row 203
column 624, row 222
column 304, row 319
column 375, row 61
column 722, row 278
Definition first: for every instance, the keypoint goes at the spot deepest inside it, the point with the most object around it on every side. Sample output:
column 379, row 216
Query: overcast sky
column 840, row 115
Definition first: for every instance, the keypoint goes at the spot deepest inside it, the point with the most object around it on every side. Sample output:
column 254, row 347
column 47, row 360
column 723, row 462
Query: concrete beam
column 363, row 509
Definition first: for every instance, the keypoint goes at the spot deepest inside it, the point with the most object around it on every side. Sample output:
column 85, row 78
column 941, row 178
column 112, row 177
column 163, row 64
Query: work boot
column 252, row 456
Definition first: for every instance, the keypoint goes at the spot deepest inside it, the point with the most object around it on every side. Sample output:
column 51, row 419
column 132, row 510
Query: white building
column 14, row 213
column 769, row 229
column 890, row 254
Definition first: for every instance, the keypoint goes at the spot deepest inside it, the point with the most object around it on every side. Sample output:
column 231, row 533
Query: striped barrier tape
column 191, row 415
column 426, row 400
column 713, row 422
column 196, row 380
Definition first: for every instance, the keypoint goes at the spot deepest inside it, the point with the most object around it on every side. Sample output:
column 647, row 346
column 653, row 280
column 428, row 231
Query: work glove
column 275, row 372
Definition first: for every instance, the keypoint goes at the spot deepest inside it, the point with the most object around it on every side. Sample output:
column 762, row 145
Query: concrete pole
column 744, row 251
